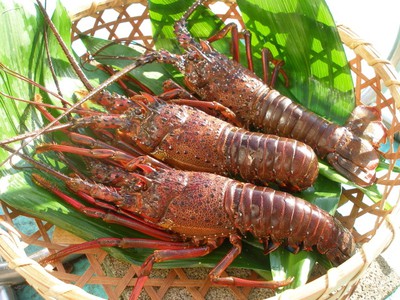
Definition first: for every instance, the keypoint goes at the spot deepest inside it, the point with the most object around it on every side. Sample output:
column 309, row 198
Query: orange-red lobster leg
column 177, row 94
column 119, row 156
column 172, row 90
column 169, row 254
column 266, row 56
column 212, row 108
column 124, row 159
column 173, row 250
column 124, row 243
column 232, row 27
column 228, row 281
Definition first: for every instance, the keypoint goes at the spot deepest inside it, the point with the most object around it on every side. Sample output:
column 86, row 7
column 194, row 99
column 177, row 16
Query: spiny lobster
column 189, row 139
column 199, row 210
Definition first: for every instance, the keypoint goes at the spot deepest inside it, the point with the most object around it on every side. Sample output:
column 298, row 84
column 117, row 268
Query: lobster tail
column 351, row 155
column 268, row 158
column 279, row 218
column 344, row 246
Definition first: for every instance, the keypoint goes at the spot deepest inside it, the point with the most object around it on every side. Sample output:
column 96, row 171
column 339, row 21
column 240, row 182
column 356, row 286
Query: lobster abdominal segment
column 255, row 156
column 283, row 219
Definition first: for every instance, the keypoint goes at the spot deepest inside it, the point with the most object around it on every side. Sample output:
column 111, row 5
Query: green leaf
column 202, row 24
column 303, row 35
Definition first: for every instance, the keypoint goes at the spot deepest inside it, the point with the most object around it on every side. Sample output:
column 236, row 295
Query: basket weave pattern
column 369, row 73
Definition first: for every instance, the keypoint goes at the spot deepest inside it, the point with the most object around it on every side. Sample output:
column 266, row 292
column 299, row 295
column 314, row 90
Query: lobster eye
column 138, row 112
column 193, row 56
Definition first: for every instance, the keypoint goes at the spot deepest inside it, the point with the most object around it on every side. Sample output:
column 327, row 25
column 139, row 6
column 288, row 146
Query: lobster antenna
column 36, row 163
column 32, row 134
column 139, row 62
column 64, row 47
column 192, row 9
column 7, row 70
column 50, row 61
column 92, row 91
column 30, row 101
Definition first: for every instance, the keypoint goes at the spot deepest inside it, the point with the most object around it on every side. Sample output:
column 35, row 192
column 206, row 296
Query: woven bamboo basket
column 370, row 72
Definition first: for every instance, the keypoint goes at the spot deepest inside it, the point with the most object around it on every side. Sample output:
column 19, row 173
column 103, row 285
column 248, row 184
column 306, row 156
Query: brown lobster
column 190, row 139
column 215, row 77
column 199, row 210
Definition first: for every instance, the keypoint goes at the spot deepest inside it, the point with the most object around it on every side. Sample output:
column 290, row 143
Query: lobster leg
column 267, row 57
column 115, row 143
column 118, row 156
column 173, row 250
column 124, row 243
column 212, row 108
column 232, row 27
column 88, row 141
column 170, row 254
column 235, row 43
column 177, row 94
column 124, row 159
column 172, row 90
column 228, row 259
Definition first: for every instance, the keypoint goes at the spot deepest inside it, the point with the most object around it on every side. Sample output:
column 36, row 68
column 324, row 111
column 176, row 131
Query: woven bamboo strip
column 382, row 67
column 44, row 283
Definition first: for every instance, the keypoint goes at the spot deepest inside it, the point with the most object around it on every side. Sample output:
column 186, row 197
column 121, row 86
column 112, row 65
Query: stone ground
column 378, row 282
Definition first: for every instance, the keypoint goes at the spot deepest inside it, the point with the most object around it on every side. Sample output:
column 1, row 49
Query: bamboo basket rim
column 344, row 275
